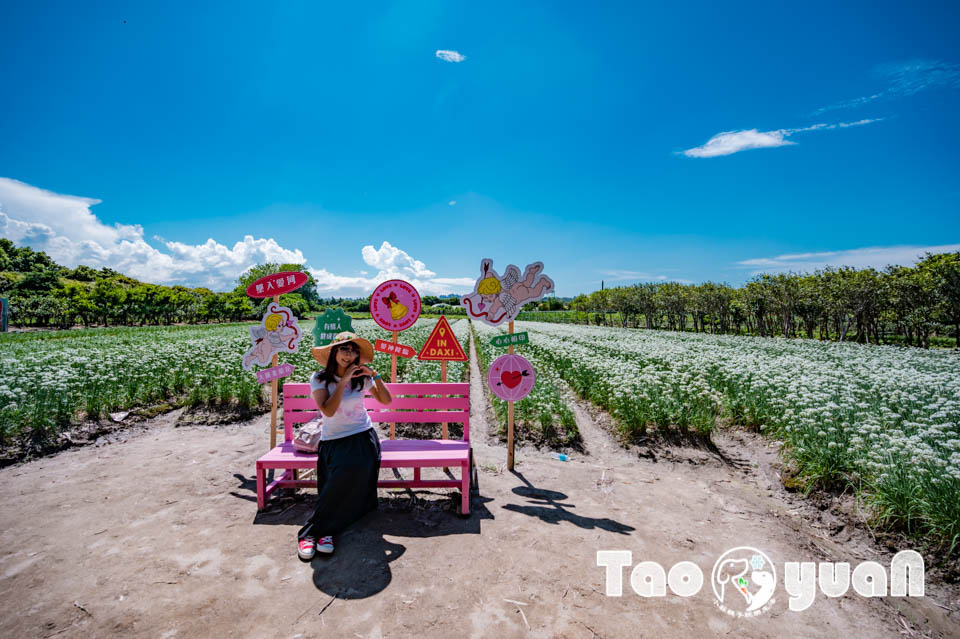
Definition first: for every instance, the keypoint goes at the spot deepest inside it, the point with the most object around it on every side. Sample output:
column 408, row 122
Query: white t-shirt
column 351, row 417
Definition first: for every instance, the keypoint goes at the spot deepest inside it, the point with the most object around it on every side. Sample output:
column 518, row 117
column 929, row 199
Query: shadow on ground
column 549, row 506
column 360, row 567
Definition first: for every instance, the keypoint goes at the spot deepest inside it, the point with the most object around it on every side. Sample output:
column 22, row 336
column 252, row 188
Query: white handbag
column 308, row 437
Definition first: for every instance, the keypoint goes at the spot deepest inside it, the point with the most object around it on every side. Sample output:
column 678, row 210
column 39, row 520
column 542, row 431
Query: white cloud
column 452, row 202
column 64, row 227
column 878, row 257
column 729, row 142
column 905, row 79
column 450, row 56
column 640, row 276
column 391, row 263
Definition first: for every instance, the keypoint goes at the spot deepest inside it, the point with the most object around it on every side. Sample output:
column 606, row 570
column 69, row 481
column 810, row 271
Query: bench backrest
column 418, row 403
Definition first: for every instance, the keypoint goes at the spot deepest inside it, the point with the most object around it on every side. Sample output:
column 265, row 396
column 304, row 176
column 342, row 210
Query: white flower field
column 881, row 420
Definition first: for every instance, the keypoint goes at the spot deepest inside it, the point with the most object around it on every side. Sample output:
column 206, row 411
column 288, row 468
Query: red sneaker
column 307, row 548
column 325, row 544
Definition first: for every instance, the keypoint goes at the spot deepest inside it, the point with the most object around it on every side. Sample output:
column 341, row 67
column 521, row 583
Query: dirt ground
column 154, row 532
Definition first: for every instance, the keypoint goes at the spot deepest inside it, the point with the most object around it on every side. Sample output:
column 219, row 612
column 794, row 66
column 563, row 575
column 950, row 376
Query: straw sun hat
column 322, row 353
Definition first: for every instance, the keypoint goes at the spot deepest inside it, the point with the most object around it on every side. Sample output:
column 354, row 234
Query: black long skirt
column 347, row 473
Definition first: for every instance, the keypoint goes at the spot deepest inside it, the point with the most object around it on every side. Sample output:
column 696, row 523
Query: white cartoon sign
column 278, row 332
column 496, row 299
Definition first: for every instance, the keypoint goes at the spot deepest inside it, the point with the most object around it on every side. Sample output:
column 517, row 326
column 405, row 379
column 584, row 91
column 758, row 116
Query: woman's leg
column 347, row 471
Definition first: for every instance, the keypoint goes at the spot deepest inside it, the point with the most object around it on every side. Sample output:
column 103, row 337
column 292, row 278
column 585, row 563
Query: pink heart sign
column 511, row 377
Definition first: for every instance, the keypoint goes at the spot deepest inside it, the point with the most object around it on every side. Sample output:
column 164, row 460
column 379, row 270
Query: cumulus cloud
column 878, row 257
column 450, row 56
column 66, row 229
column 391, row 263
column 729, row 142
column 905, row 79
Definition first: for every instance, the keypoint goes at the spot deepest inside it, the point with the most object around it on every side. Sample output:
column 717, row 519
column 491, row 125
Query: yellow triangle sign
column 442, row 345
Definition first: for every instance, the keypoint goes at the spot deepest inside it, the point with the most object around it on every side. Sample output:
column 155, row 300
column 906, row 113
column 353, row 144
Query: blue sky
column 700, row 141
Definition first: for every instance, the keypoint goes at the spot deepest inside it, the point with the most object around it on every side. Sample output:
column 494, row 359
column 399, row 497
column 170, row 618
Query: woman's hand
column 365, row 370
column 349, row 373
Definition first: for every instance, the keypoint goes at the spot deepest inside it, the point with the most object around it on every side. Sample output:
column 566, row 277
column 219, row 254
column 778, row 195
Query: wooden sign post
column 395, row 307
column 443, row 346
column 273, row 394
column 497, row 299
column 274, row 285
column 510, row 414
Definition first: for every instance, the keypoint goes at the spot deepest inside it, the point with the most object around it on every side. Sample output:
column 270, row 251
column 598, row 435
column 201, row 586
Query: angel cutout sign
column 278, row 332
column 497, row 299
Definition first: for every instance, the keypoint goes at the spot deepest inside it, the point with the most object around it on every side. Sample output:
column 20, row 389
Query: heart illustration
column 481, row 305
column 511, row 379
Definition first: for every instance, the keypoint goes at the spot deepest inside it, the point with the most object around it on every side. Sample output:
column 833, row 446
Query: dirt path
column 158, row 536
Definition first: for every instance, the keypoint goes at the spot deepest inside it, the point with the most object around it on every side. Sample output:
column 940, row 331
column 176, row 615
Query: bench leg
column 261, row 487
column 465, row 488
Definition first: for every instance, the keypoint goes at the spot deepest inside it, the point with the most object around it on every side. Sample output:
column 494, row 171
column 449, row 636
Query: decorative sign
column 442, row 345
column 278, row 332
column 511, row 377
column 395, row 305
column 496, row 299
column 268, row 374
column 511, row 339
column 277, row 284
column 4, row 314
column 333, row 321
column 402, row 350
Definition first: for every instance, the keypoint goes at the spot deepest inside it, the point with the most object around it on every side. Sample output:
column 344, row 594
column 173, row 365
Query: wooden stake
column 393, row 362
column 443, row 379
column 273, row 397
column 393, row 380
column 510, row 416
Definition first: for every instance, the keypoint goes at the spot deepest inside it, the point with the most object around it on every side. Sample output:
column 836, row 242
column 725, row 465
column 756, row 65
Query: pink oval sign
column 277, row 284
column 395, row 305
column 511, row 377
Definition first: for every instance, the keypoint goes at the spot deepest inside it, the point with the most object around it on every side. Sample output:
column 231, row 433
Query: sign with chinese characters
column 442, row 345
column 497, row 299
column 511, row 377
column 278, row 332
column 333, row 321
column 277, row 284
column 269, row 374
column 395, row 305
column 4, row 314
column 511, row 339
column 393, row 348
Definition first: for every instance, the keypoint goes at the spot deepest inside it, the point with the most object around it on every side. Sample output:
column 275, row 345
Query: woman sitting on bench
column 348, row 461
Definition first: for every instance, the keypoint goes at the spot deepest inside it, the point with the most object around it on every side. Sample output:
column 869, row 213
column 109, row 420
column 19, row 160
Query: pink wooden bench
column 410, row 404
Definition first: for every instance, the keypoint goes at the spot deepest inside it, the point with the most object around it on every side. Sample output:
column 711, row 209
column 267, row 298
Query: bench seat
column 395, row 453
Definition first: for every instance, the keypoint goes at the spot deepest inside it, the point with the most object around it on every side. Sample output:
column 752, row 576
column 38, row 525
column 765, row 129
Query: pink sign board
column 401, row 350
column 395, row 305
column 277, row 332
column 277, row 284
column 511, row 377
column 269, row 374
column 497, row 299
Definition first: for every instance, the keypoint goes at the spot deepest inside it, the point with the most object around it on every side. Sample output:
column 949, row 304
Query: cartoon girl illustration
column 496, row 300
column 279, row 332
column 397, row 310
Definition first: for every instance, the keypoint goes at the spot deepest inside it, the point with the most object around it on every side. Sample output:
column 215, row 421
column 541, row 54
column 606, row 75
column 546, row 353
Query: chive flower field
column 882, row 421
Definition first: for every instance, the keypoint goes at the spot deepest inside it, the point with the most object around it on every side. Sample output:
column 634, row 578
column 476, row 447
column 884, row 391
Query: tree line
column 898, row 304
column 44, row 294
